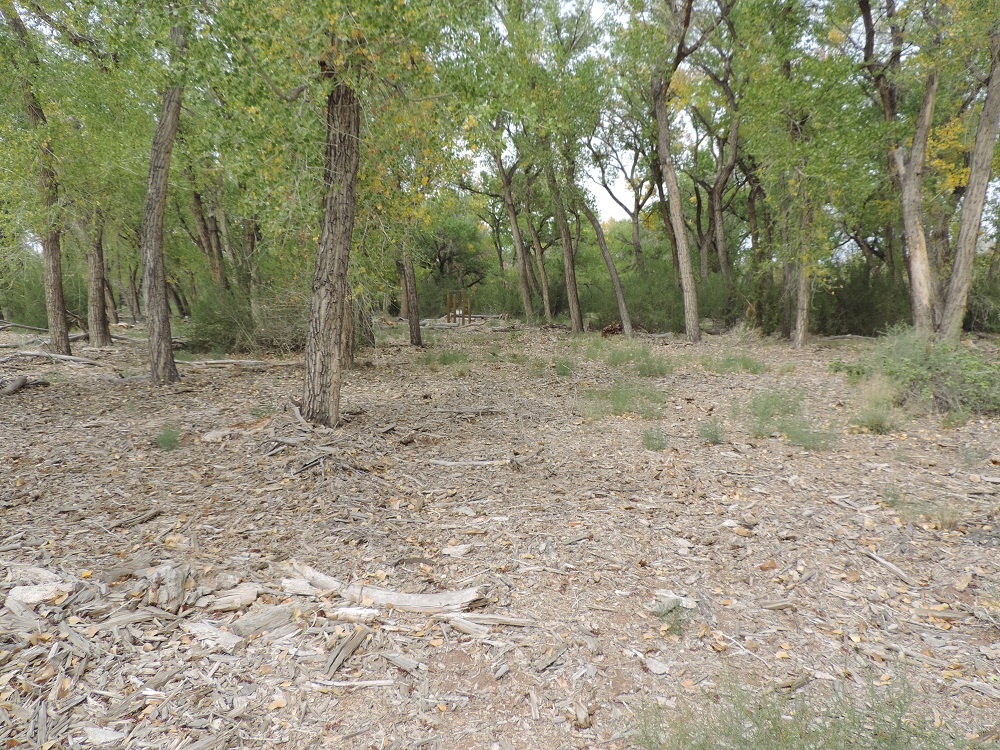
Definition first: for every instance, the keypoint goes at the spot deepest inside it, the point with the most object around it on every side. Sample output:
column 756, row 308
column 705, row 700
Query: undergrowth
column 737, row 717
column 953, row 379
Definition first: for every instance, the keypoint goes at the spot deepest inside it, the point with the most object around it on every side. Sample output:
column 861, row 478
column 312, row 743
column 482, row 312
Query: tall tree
column 48, row 184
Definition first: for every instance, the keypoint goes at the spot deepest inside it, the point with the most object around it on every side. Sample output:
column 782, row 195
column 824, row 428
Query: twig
column 882, row 561
column 50, row 355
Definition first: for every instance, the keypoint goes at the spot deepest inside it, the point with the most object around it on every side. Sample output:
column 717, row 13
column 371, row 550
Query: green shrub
column 769, row 410
column 654, row 440
column 627, row 398
column 940, row 375
column 564, row 366
column 444, row 357
column 737, row 717
column 712, row 431
column 168, row 439
column 645, row 363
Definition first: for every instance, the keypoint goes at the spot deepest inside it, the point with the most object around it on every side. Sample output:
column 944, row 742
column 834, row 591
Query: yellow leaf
column 278, row 702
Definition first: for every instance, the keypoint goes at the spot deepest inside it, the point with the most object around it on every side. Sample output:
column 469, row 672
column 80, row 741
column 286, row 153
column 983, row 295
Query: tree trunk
column 109, row 299
column 923, row 288
column 154, row 277
column 692, row 327
column 324, row 375
column 704, row 237
column 716, row 197
column 612, row 271
column 133, row 295
column 543, row 278
column 520, row 257
column 640, row 259
column 569, row 257
column 97, row 312
column 208, row 239
column 960, row 281
column 412, row 303
column 802, row 305
column 48, row 184
column 665, row 217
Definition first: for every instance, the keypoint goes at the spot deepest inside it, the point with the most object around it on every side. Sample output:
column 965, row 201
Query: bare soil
column 869, row 563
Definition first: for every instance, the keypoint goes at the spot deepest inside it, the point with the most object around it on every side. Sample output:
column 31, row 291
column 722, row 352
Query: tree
column 48, row 184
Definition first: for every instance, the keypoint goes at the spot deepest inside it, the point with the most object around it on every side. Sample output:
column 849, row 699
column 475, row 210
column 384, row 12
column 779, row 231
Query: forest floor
column 153, row 544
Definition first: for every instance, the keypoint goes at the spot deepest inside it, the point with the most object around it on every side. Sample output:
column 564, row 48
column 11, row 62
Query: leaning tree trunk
column 569, row 257
column 55, row 304
column 520, row 256
column 692, row 327
column 923, row 287
column 162, row 368
column 612, row 271
column 543, row 280
column 97, row 312
column 330, row 304
column 957, row 293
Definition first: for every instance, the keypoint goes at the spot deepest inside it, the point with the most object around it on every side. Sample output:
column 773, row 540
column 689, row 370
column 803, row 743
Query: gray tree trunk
column 97, row 313
column 692, row 327
column 569, row 257
column 612, row 271
column 330, row 305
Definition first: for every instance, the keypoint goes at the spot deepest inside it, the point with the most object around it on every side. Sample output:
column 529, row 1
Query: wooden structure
column 459, row 307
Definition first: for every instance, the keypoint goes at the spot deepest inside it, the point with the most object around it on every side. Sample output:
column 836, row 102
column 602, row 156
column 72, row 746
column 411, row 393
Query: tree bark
column 48, row 184
column 802, row 305
column 960, row 281
column 111, row 306
column 412, row 303
column 324, row 374
column 665, row 217
column 520, row 256
column 97, row 312
column 569, row 256
column 208, row 239
column 536, row 245
column 612, row 271
column 923, row 287
column 154, row 277
column 692, row 327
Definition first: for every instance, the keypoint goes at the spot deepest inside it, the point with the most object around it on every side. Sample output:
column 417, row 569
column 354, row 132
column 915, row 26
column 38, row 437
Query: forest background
column 807, row 167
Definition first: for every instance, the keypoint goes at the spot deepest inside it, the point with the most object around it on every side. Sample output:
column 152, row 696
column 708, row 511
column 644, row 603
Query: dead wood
column 445, row 601
column 345, row 648
column 49, row 355
column 14, row 385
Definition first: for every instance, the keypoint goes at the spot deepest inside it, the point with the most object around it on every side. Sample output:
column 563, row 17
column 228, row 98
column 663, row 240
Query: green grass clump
column 627, row 398
column 712, row 431
column 781, row 411
column 734, row 363
column 168, row 439
column 738, row 717
column 654, row 440
column 445, row 357
column 646, row 364
column 564, row 366
column 942, row 376
column 877, row 413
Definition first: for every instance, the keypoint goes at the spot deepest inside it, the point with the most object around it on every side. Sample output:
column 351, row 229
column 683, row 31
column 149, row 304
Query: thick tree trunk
column 960, row 281
column 55, row 304
column 412, row 303
column 97, row 312
column 612, row 271
column 154, row 277
column 520, row 256
column 692, row 327
column 569, row 256
column 923, row 287
column 111, row 306
column 324, row 374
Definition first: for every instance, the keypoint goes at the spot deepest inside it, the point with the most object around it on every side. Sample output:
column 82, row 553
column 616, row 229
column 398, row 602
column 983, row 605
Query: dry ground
column 873, row 561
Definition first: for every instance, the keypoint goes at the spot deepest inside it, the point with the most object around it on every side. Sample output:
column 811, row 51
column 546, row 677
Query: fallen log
column 50, row 355
column 14, row 386
column 445, row 601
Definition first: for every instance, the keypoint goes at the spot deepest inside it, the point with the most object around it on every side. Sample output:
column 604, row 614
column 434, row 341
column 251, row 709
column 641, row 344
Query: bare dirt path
column 165, row 523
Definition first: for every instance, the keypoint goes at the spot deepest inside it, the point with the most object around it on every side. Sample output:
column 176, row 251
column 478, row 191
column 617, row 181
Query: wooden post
column 448, row 316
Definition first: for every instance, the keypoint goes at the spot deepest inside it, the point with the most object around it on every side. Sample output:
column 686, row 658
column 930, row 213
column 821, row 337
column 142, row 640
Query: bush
column 738, row 717
column 227, row 321
column 939, row 375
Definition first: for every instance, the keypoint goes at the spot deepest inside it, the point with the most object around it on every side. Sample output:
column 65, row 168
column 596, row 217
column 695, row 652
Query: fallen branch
column 240, row 363
column 882, row 561
column 14, row 386
column 445, row 601
column 50, row 355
